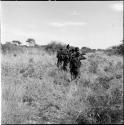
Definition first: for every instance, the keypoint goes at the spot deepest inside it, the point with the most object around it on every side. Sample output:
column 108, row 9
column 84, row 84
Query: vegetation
column 53, row 46
column 31, row 42
column 16, row 42
column 116, row 50
column 87, row 50
column 35, row 91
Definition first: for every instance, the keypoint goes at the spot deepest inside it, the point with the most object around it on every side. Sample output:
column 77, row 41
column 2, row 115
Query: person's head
column 76, row 49
column 68, row 46
column 77, row 54
column 72, row 50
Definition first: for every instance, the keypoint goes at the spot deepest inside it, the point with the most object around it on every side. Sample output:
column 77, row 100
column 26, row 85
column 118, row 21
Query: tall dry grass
column 35, row 91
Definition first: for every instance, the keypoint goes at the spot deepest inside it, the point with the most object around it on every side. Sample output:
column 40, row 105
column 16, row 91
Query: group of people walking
column 70, row 59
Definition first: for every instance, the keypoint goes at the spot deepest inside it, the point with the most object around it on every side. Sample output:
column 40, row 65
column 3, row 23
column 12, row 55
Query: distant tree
column 16, row 42
column 118, row 49
column 31, row 42
column 93, row 50
column 99, row 49
column 6, row 47
column 37, row 45
column 85, row 49
column 53, row 46
column 8, row 43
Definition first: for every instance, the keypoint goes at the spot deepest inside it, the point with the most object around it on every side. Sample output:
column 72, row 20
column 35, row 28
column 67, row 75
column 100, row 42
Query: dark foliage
column 86, row 50
column 118, row 50
column 16, row 42
column 54, row 46
column 8, row 47
column 31, row 42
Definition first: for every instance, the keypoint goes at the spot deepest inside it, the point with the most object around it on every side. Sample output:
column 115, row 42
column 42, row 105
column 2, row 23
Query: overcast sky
column 95, row 24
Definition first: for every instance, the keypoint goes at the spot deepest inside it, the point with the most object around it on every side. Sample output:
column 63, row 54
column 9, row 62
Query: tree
column 31, row 42
column 120, row 49
column 8, row 43
column 117, row 49
column 53, row 46
column 85, row 49
column 16, row 42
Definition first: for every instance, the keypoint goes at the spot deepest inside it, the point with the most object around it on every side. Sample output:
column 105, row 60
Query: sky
column 94, row 24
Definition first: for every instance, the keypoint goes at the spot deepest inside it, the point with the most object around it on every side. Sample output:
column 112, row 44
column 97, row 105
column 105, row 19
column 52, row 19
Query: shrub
column 53, row 46
column 93, row 67
column 116, row 50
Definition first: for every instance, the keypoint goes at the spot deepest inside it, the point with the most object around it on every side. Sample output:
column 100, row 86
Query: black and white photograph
column 61, row 62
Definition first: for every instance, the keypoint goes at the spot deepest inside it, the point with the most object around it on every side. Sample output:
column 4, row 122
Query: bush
column 87, row 50
column 8, row 48
column 53, row 46
column 116, row 50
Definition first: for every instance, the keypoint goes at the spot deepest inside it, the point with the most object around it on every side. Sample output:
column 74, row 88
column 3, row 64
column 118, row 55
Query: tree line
column 53, row 46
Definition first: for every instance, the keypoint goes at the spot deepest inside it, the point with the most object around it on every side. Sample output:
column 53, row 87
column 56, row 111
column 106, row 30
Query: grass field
column 35, row 91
